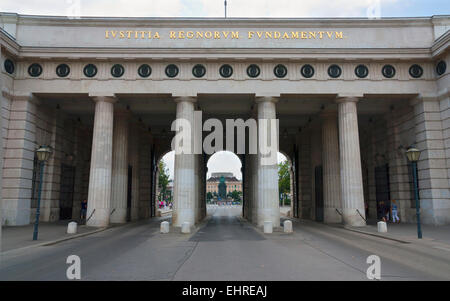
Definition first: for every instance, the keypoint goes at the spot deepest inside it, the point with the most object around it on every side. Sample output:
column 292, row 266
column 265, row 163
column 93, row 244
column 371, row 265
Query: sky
column 236, row 8
column 223, row 161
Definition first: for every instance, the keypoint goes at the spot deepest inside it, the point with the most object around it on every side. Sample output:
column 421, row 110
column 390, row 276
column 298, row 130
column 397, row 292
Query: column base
column 352, row 218
column 271, row 214
column 99, row 219
column 134, row 214
column 119, row 216
column 330, row 216
column 179, row 216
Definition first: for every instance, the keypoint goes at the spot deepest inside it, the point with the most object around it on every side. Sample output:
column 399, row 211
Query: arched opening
column 164, row 180
column 224, row 183
column 285, row 185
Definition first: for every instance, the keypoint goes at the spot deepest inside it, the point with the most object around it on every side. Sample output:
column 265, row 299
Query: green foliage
column 235, row 195
column 209, row 196
column 163, row 179
column 284, row 180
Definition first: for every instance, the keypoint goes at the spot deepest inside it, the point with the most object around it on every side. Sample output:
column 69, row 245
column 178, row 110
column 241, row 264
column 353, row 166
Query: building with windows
column 212, row 184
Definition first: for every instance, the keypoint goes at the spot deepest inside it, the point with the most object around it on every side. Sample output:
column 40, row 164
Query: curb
column 377, row 235
column 339, row 226
column 54, row 242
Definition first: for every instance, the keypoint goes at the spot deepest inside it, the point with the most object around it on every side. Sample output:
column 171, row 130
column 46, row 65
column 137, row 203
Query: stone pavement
column 408, row 232
column 15, row 237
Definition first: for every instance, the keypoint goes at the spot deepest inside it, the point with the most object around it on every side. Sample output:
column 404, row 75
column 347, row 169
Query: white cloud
column 199, row 8
column 223, row 161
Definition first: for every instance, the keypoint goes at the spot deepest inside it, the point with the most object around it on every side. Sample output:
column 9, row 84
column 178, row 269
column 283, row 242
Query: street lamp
column 413, row 155
column 43, row 154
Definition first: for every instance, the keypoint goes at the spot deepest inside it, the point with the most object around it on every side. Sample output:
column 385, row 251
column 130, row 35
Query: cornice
column 229, row 22
column 9, row 43
column 292, row 54
column 441, row 45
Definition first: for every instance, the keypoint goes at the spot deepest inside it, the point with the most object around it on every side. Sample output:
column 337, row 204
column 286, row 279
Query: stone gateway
column 351, row 96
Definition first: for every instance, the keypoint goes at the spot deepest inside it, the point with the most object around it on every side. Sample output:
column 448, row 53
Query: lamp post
column 43, row 154
column 413, row 155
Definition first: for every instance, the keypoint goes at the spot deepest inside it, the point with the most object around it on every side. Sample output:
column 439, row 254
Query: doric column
column 331, row 168
column 197, row 188
column 268, row 207
column 19, row 151
column 350, row 159
column 254, row 189
column 101, row 163
column 119, row 182
column 184, row 173
column 133, row 158
column 431, row 138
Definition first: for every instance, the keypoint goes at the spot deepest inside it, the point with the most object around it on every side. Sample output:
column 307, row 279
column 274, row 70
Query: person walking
column 394, row 212
column 83, row 209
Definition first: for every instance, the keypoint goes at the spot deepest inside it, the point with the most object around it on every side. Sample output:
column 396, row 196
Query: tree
column 163, row 179
column 235, row 195
column 284, row 179
column 209, row 196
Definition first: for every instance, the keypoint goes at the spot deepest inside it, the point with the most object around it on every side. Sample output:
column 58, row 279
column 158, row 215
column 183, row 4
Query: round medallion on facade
column 172, row 70
column 35, row 70
column 361, row 71
column 253, row 70
column 388, row 71
column 334, row 71
column 307, row 71
column 9, row 66
column 62, row 70
column 280, row 71
column 117, row 70
column 226, row 71
column 415, row 71
column 199, row 70
column 441, row 67
column 144, row 70
column 90, row 70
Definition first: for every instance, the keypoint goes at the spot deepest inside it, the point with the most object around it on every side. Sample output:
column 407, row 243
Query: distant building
column 212, row 184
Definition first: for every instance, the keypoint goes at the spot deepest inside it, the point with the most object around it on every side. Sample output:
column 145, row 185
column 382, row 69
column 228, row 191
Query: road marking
column 442, row 248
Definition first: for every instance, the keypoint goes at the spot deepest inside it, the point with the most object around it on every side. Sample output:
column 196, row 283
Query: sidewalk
column 14, row 237
column 408, row 232
column 163, row 212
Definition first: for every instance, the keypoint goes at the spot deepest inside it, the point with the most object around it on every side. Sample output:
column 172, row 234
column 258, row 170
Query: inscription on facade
column 225, row 34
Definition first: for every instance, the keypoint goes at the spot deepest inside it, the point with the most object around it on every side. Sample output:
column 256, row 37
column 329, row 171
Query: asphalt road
column 226, row 247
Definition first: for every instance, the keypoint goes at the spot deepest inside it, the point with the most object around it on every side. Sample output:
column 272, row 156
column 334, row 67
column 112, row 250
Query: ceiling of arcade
column 158, row 111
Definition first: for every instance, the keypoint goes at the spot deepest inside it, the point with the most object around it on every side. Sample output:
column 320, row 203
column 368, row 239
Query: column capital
column 25, row 97
column 329, row 112
column 260, row 99
column 423, row 98
column 110, row 99
column 185, row 99
column 121, row 111
column 343, row 99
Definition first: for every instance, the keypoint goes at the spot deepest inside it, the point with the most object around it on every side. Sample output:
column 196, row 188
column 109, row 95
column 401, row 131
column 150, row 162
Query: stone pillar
column 316, row 162
column 133, row 156
column 1, row 170
column 197, row 188
column 101, row 163
column 184, row 173
column 119, row 182
column 268, row 207
column 254, row 188
column 350, row 159
column 18, row 157
column 145, row 173
column 432, row 169
column 331, row 168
